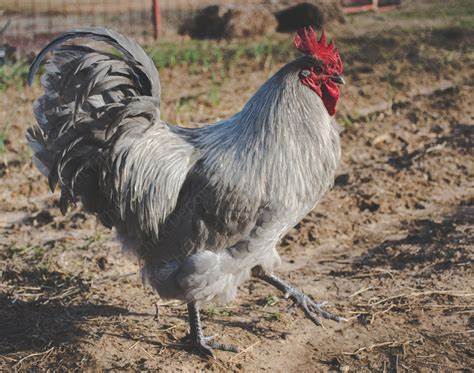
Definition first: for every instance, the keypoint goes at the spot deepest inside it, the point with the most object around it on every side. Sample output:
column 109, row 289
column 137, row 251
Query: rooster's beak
column 338, row 79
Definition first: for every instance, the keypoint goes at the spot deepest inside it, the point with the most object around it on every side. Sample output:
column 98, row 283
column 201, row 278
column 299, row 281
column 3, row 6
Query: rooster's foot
column 313, row 310
column 203, row 344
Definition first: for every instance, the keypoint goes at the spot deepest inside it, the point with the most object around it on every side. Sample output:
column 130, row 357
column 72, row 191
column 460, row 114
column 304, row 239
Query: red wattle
column 330, row 96
column 328, row 91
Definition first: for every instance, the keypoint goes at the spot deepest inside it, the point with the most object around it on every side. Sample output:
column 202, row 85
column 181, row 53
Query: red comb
column 307, row 42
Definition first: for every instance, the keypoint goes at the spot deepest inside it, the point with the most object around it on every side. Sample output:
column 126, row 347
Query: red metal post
column 156, row 18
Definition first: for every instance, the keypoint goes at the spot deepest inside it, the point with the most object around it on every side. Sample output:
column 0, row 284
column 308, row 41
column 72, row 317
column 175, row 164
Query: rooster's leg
column 205, row 345
column 313, row 310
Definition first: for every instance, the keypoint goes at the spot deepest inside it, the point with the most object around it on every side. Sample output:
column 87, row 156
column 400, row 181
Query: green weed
column 13, row 75
column 212, row 310
column 274, row 316
column 207, row 54
column 271, row 300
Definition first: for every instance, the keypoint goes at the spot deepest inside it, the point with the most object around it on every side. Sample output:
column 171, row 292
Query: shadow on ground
column 439, row 244
column 49, row 318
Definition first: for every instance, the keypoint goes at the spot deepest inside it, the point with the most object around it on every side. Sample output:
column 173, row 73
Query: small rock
column 341, row 180
column 102, row 262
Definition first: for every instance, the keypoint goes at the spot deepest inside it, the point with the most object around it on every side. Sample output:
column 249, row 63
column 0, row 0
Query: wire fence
column 31, row 23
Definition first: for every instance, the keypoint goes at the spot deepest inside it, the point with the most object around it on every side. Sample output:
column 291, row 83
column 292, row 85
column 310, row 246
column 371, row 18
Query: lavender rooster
column 203, row 209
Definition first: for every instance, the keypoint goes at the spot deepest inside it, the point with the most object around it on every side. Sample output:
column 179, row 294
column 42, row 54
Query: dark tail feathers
column 87, row 93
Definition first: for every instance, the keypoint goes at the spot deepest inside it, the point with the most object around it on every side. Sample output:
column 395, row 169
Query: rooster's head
column 323, row 73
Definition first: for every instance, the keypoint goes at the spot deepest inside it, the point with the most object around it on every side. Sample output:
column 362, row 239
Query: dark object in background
column 207, row 24
column 300, row 15
column 229, row 21
column 330, row 9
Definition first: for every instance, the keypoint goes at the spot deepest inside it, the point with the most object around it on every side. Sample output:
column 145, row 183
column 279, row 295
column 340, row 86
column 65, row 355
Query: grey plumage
column 199, row 207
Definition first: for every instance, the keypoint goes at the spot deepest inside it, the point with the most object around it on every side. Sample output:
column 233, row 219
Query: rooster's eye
column 305, row 73
column 318, row 69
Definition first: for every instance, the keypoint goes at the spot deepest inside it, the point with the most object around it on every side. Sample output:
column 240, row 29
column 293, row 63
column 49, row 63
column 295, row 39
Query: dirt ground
column 390, row 247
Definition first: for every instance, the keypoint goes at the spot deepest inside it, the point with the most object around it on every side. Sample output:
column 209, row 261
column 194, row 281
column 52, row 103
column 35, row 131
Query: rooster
column 202, row 209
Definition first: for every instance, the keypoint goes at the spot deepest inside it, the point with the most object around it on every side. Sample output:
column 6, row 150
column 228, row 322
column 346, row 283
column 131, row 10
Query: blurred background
column 390, row 247
column 145, row 19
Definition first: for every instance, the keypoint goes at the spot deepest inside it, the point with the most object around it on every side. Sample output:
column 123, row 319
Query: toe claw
column 205, row 350
column 314, row 318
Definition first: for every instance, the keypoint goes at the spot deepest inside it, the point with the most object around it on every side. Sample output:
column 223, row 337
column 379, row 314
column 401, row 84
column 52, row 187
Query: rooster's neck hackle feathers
column 277, row 140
